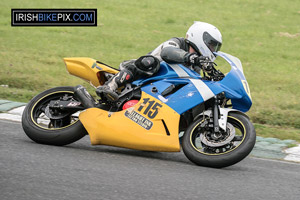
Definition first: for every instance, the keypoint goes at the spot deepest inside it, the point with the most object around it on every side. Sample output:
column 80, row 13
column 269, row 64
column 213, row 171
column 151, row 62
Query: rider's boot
column 108, row 90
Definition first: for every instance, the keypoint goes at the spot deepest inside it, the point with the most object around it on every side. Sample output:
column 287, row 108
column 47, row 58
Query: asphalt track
column 81, row 171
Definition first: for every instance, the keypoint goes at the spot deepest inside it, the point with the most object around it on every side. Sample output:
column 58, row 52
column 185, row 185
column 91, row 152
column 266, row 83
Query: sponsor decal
column 53, row 17
column 73, row 104
column 97, row 67
column 127, row 77
column 139, row 119
column 123, row 77
column 173, row 43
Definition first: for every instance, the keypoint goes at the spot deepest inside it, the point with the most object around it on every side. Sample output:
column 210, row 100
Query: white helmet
column 204, row 38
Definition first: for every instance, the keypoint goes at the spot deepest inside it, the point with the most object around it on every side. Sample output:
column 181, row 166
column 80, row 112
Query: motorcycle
column 204, row 114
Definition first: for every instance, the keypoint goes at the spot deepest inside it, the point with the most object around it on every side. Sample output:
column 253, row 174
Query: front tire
column 60, row 131
column 219, row 156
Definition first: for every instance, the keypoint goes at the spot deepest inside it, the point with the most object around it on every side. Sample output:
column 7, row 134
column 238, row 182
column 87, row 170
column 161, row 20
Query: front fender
column 224, row 115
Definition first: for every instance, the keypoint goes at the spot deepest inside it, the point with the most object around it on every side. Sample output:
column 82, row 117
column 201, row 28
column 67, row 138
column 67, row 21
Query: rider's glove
column 194, row 59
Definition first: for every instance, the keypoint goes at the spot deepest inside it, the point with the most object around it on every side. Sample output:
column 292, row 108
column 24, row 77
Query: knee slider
column 147, row 65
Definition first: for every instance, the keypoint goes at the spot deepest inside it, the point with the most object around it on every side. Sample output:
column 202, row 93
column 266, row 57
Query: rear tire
column 236, row 153
column 70, row 131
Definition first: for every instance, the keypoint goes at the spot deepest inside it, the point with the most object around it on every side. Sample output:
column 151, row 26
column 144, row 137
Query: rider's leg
column 144, row 66
column 109, row 88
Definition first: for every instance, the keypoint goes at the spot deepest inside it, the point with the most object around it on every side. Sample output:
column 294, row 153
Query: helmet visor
column 213, row 44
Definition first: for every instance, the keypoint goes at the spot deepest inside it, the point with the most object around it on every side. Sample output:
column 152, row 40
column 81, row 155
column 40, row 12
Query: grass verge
column 265, row 35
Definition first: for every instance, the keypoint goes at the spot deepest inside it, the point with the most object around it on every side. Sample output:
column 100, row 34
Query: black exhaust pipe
column 84, row 97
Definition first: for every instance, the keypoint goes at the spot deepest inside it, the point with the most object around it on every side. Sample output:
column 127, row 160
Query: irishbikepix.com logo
column 54, row 17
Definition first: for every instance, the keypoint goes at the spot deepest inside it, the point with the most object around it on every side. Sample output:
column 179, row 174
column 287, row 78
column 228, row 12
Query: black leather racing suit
column 172, row 51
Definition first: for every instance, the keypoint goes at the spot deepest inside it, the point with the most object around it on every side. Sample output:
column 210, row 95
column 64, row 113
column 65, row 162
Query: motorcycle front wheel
column 64, row 128
column 203, row 147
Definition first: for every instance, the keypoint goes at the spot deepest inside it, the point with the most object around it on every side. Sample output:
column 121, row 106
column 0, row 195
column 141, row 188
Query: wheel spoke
column 43, row 108
column 205, row 140
column 43, row 117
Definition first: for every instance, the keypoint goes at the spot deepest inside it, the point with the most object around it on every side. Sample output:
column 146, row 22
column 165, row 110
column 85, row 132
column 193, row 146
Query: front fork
column 216, row 116
column 220, row 115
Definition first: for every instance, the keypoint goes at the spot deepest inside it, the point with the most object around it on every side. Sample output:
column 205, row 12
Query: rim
column 204, row 141
column 62, row 119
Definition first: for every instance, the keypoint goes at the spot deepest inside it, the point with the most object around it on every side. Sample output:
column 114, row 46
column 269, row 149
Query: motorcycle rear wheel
column 42, row 129
column 223, row 156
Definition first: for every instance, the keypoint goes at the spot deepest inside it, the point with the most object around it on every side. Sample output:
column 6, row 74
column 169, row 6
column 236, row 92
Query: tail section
column 89, row 69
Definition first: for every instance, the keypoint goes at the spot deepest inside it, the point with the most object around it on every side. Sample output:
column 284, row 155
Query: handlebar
column 209, row 70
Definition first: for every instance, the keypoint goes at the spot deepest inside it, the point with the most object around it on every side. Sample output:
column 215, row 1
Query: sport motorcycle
column 202, row 113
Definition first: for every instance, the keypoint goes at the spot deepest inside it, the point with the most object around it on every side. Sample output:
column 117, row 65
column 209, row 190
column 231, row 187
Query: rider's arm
column 170, row 51
column 174, row 55
column 174, row 50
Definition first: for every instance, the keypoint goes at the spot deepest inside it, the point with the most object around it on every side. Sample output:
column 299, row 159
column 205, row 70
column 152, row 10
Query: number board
column 147, row 108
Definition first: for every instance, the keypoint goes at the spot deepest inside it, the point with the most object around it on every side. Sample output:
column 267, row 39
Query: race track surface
column 81, row 171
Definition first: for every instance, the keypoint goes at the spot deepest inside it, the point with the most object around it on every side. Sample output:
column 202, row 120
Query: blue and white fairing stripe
column 193, row 92
column 202, row 88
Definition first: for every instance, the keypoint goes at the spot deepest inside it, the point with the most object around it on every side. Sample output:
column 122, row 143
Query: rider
column 202, row 39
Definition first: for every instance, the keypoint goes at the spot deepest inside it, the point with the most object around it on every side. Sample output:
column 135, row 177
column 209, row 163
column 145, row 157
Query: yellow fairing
column 88, row 69
column 133, row 128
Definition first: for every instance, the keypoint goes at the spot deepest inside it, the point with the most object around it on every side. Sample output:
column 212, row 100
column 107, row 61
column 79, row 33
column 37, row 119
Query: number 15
column 152, row 109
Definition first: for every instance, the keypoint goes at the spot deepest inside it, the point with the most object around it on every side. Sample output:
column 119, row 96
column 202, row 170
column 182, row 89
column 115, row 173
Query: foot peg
column 107, row 93
column 84, row 97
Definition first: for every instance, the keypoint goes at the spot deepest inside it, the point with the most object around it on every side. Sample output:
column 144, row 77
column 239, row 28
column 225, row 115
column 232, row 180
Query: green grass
column 279, row 132
column 263, row 34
